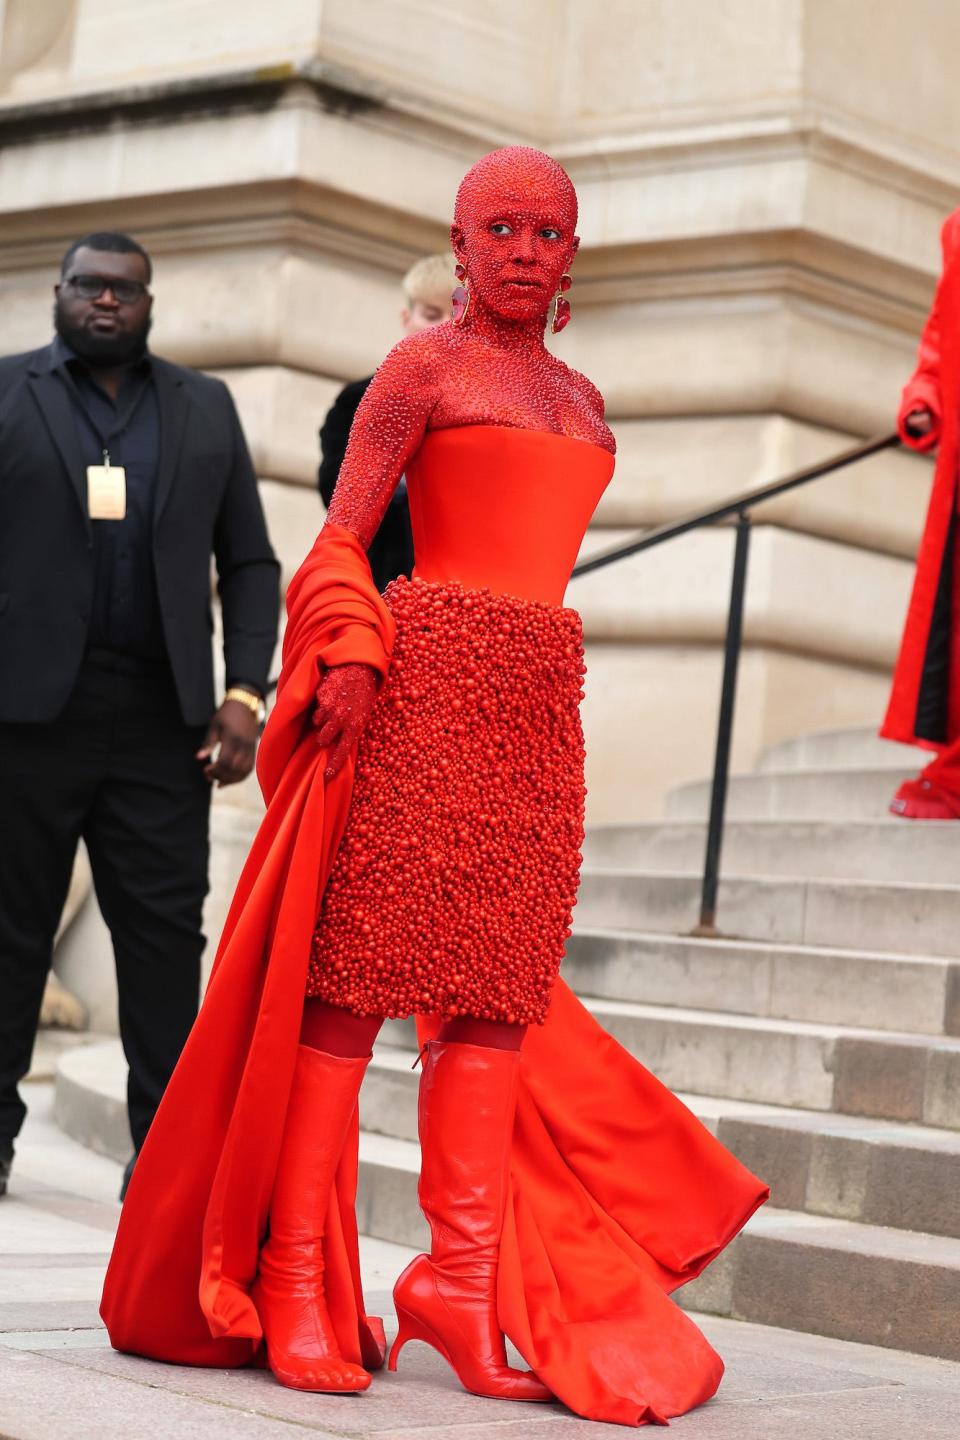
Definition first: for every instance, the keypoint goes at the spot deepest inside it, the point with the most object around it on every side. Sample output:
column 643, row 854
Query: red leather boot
column 302, row 1349
column 468, row 1096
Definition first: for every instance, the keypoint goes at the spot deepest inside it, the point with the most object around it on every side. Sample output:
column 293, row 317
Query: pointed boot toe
column 301, row 1342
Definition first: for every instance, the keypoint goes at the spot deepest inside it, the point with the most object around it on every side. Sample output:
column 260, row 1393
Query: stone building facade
column 761, row 186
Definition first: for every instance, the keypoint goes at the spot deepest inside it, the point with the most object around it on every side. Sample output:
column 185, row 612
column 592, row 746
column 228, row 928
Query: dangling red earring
column 561, row 306
column 460, row 299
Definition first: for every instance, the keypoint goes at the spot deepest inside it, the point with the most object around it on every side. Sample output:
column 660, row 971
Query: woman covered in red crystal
column 423, row 771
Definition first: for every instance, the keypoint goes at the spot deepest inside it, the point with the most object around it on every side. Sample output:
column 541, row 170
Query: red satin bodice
column 503, row 509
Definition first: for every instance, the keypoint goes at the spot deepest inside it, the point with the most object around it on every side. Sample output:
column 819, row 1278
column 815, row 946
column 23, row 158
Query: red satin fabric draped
column 196, row 1211
column 618, row 1194
column 935, row 384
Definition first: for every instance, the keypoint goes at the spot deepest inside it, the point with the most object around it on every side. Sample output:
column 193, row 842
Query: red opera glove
column 345, row 698
column 920, row 422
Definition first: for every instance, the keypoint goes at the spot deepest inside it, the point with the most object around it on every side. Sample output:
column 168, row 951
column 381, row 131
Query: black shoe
column 6, row 1164
column 126, row 1177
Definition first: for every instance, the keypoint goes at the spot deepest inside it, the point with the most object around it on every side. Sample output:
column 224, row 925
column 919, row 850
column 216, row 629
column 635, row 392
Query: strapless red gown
column 454, row 884
column 618, row 1194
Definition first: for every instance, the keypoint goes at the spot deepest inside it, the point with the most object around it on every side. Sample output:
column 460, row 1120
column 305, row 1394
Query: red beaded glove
column 345, row 698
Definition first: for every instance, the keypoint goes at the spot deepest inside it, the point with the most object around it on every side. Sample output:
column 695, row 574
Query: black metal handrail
column 739, row 507
column 737, row 504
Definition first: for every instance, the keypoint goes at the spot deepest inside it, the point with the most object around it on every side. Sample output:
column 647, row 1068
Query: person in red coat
column 423, row 772
column 924, row 707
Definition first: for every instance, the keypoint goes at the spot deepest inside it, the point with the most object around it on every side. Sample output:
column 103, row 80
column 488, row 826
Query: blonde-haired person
column 427, row 288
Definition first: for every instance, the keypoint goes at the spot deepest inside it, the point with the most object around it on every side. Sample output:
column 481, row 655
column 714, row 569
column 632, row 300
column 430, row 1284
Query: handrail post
column 728, row 697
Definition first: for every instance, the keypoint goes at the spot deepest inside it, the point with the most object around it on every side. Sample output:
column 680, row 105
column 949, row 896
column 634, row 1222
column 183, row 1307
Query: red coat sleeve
column 923, row 387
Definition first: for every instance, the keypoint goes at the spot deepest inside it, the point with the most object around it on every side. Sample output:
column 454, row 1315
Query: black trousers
column 934, row 694
column 117, row 768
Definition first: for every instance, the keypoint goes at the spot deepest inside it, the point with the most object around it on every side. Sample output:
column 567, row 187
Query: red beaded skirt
column 454, row 883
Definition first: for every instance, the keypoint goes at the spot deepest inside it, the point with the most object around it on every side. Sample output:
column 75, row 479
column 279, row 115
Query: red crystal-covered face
column 513, row 230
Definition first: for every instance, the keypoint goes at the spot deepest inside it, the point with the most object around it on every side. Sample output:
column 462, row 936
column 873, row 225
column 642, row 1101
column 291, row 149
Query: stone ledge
column 882, row 849
column 90, row 1098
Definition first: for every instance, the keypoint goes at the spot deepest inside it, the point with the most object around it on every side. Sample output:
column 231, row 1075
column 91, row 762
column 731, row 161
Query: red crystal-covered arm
column 388, row 428
column 922, row 390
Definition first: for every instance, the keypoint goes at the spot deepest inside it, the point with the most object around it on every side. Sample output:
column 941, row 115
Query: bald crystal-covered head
column 514, row 230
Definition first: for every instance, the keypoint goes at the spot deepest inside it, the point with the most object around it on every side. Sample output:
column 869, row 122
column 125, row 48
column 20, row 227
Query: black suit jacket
column 206, row 503
column 391, row 549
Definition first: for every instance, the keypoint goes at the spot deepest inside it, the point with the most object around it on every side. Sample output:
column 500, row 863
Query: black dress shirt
column 206, row 507
column 125, row 615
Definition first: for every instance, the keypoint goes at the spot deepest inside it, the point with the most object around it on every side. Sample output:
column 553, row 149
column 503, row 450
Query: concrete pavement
column 59, row 1378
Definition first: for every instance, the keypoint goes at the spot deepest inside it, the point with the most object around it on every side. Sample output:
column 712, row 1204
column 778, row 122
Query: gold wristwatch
column 252, row 702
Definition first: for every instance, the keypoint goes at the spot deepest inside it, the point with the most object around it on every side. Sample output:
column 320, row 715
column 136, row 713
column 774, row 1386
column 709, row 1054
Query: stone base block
column 650, row 715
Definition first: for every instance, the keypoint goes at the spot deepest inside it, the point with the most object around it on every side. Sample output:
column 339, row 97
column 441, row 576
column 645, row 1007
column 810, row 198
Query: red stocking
column 338, row 1032
column 496, row 1034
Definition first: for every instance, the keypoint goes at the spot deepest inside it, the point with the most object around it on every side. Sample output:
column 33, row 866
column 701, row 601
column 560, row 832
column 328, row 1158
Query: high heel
column 302, row 1349
column 447, row 1299
column 409, row 1328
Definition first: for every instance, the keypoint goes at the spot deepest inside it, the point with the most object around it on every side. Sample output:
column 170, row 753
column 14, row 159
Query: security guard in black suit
column 120, row 475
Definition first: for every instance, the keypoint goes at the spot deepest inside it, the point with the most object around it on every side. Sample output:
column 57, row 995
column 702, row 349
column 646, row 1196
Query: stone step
column 848, row 1070
column 875, row 1172
column 851, row 1168
column 818, row 1272
column 881, row 991
column 387, row 1205
column 909, row 1078
column 90, row 1098
column 853, row 748
column 848, row 1167
column 794, row 795
column 49, row 1048
column 829, row 1276
column 388, row 1100
column 906, row 919
column 894, row 1288
column 846, row 850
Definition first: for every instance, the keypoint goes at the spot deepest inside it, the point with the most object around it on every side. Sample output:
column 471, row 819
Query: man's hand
column 919, row 422
column 230, row 746
column 345, row 698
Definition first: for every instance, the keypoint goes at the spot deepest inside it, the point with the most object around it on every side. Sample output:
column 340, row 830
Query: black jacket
column 206, row 503
column 391, row 549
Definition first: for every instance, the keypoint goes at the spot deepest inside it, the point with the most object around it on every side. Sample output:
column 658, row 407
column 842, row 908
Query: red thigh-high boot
column 302, row 1349
column 468, row 1096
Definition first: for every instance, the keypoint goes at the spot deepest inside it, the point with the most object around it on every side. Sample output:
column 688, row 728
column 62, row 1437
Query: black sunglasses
column 91, row 287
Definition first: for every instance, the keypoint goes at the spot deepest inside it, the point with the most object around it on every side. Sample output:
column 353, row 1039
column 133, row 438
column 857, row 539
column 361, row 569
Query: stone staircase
column 820, row 1040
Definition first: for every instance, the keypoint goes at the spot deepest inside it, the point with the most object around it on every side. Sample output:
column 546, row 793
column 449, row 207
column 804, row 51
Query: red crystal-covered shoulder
column 387, row 430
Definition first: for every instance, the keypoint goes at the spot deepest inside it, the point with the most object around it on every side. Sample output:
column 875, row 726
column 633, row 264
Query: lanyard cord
column 106, row 437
